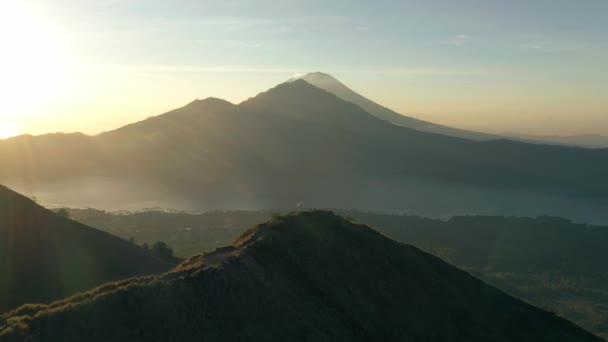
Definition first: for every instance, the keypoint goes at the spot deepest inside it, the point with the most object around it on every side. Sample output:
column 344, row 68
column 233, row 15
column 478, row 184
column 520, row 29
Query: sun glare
column 8, row 131
column 34, row 64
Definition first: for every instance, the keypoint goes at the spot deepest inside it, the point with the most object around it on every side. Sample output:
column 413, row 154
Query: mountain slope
column 311, row 277
column 523, row 256
column 44, row 256
column 332, row 85
column 384, row 148
column 298, row 143
column 582, row 140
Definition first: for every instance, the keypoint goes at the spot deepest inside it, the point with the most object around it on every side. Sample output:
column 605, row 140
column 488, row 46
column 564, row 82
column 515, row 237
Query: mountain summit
column 300, row 100
column 332, row 85
column 310, row 276
column 299, row 143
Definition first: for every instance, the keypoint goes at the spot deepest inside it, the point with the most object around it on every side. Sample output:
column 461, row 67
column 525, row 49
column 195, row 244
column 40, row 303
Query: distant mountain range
column 332, row 85
column 44, row 256
column 297, row 143
column 312, row 276
column 582, row 140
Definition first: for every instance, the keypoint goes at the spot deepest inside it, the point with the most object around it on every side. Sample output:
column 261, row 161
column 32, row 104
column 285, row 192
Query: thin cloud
column 258, row 25
column 457, row 40
column 421, row 71
column 430, row 71
column 228, row 43
column 557, row 46
column 187, row 69
column 108, row 3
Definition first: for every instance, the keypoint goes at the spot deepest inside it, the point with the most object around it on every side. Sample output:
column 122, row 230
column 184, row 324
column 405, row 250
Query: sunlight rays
column 34, row 63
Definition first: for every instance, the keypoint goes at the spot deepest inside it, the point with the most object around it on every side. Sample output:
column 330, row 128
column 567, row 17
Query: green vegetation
column 312, row 276
column 162, row 251
column 187, row 233
column 550, row 262
column 63, row 213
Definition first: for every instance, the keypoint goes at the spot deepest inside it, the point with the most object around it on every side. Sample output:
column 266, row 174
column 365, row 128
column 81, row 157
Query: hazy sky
column 533, row 66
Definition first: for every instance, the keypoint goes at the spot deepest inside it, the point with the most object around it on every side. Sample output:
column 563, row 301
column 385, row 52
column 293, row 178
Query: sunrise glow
column 7, row 131
column 35, row 64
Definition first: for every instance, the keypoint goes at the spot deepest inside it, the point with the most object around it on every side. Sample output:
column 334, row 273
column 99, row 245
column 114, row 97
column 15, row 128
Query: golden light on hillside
column 34, row 62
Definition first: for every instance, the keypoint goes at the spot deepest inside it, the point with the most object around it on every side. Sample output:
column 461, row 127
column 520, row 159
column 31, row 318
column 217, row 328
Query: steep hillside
column 547, row 261
column 44, row 256
column 304, row 277
column 332, row 85
column 376, row 148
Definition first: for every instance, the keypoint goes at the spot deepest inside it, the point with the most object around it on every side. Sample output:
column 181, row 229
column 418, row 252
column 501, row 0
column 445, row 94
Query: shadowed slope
column 380, row 148
column 298, row 143
column 44, row 256
column 583, row 140
column 550, row 262
column 332, row 85
column 310, row 276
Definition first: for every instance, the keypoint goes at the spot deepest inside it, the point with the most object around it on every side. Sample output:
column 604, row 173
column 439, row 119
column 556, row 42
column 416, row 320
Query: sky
column 531, row 67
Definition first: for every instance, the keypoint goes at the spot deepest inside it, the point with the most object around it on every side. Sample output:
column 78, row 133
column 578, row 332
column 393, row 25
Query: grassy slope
column 310, row 277
column 549, row 262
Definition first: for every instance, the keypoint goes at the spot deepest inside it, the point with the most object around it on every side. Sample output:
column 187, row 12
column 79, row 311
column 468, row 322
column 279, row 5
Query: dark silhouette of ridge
column 298, row 143
column 582, row 140
column 44, row 256
column 525, row 257
column 209, row 101
column 299, row 100
column 332, row 85
column 311, row 276
column 188, row 114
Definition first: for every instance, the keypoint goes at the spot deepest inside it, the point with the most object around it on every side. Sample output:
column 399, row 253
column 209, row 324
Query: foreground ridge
column 308, row 276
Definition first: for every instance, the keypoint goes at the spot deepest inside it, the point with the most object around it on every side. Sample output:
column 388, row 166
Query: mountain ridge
column 332, row 85
column 594, row 141
column 44, row 256
column 328, row 82
column 290, row 145
column 310, row 276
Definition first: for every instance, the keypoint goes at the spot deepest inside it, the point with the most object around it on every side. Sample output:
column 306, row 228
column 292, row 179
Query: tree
column 63, row 212
column 163, row 251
